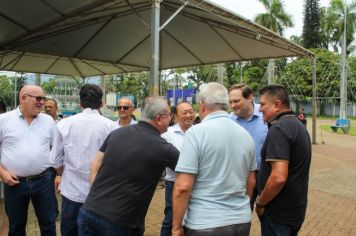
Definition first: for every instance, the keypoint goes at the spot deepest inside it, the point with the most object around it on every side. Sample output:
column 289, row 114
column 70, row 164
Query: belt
column 32, row 177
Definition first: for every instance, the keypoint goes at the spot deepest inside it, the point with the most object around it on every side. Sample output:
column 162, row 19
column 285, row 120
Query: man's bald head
column 31, row 99
column 27, row 89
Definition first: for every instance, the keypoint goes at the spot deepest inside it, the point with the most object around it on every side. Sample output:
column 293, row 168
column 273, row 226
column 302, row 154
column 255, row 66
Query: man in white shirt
column 79, row 138
column 26, row 136
column 184, row 118
column 125, row 109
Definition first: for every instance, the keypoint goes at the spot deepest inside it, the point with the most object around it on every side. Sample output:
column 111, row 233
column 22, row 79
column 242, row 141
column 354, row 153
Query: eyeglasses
column 38, row 98
column 125, row 108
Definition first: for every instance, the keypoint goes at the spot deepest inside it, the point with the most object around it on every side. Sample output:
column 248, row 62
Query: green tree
column 276, row 18
column 298, row 75
column 332, row 23
column 202, row 74
column 8, row 90
column 327, row 19
column 131, row 83
column 296, row 39
column 311, row 36
column 48, row 86
column 233, row 73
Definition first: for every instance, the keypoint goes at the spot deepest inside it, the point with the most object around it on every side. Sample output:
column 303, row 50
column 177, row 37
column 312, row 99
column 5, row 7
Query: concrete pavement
column 332, row 192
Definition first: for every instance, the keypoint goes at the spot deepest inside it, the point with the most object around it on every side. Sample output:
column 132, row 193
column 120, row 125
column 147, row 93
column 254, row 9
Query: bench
column 343, row 124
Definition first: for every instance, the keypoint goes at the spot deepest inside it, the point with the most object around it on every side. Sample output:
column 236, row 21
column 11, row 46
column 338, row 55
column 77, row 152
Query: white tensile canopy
column 96, row 37
column 85, row 38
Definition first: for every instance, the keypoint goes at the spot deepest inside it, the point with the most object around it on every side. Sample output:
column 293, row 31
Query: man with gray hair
column 215, row 172
column 125, row 173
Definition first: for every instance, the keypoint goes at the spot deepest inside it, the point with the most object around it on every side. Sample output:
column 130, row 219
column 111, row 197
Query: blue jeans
column 69, row 217
column 166, row 229
column 89, row 224
column 270, row 228
column 41, row 192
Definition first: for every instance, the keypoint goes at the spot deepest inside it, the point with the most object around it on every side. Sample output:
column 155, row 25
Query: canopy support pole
column 314, row 102
column 154, row 47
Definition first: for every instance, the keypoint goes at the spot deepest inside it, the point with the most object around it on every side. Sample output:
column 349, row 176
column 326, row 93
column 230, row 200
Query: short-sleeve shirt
column 25, row 148
column 134, row 159
column 220, row 154
column 287, row 140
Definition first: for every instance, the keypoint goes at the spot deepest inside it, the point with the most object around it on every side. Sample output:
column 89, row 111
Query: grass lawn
column 339, row 131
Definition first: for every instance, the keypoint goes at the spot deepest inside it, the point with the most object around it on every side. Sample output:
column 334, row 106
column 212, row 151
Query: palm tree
column 338, row 10
column 275, row 19
column 328, row 28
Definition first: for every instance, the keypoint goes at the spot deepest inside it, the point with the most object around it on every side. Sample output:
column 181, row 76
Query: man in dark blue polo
column 284, row 173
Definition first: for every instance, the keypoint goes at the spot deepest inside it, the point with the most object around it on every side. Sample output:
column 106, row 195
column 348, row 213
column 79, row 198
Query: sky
column 250, row 8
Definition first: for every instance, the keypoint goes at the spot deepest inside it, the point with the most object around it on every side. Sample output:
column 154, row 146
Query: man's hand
column 9, row 178
column 57, row 182
column 260, row 210
column 178, row 231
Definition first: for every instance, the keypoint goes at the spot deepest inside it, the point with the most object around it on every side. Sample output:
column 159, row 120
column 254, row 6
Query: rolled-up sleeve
column 56, row 158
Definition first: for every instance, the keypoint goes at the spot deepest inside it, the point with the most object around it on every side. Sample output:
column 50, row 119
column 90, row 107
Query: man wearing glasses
column 79, row 138
column 26, row 136
column 125, row 109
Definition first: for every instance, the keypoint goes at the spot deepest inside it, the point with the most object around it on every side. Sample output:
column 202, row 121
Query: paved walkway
column 332, row 191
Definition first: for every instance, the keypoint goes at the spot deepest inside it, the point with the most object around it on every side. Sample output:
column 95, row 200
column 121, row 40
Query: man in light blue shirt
column 246, row 113
column 215, row 172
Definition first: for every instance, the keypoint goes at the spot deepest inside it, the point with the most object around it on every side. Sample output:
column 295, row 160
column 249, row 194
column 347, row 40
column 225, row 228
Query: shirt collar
column 19, row 113
column 177, row 129
column 214, row 115
column 90, row 111
column 132, row 122
column 148, row 125
column 279, row 116
column 256, row 113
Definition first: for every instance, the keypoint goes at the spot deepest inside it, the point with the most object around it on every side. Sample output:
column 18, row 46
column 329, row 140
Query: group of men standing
column 107, row 176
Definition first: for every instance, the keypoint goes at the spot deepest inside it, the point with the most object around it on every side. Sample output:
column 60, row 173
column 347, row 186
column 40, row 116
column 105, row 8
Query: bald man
column 125, row 109
column 26, row 136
